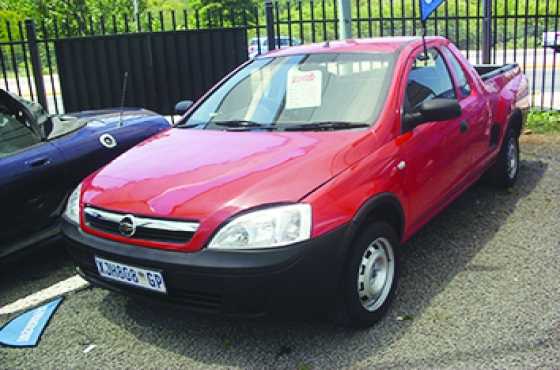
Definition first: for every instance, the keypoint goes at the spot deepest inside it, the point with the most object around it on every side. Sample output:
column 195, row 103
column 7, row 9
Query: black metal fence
column 512, row 30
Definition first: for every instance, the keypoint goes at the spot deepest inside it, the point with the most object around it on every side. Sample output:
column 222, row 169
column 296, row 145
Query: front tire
column 371, row 277
column 505, row 171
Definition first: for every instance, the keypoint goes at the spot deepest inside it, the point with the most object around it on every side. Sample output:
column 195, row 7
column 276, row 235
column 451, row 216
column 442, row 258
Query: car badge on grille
column 127, row 226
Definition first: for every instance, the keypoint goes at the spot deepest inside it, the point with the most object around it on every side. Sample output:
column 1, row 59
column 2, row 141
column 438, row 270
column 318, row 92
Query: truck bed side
column 508, row 93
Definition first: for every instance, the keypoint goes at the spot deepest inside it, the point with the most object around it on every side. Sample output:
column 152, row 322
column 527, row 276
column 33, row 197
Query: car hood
column 96, row 121
column 209, row 176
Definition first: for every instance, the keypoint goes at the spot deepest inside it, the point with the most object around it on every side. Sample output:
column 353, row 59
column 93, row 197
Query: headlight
column 72, row 212
column 265, row 228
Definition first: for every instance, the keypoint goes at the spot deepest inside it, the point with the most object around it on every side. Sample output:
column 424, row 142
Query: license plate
column 131, row 275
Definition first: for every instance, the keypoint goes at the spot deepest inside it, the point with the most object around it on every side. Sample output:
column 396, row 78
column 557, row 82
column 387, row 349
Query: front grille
column 102, row 225
column 139, row 227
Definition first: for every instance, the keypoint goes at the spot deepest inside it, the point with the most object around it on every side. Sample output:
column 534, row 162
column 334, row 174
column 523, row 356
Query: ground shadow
column 431, row 260
column 32, row 270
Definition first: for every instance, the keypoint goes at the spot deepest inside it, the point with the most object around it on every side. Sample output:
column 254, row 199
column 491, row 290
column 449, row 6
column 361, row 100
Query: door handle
column 464, row 126
column 38, row 162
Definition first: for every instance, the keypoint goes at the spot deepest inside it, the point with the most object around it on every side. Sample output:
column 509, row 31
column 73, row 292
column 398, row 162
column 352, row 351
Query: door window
column 428, row 79
column 462, row 81
column 14, row 135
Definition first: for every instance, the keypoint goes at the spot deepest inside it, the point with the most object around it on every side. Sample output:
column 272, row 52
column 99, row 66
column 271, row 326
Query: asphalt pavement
column 480, row 288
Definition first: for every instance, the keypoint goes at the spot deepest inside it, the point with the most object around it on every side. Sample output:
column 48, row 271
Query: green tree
column 74, row 13
column 212, row 9
column 9, row 18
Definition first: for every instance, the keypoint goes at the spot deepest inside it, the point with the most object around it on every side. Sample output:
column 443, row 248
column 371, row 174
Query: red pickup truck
column 295, row 181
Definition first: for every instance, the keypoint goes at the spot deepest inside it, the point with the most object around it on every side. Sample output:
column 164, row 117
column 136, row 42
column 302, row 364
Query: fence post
column 487, row 31
column 36, row 63
column 345, row 19
column 270, row 24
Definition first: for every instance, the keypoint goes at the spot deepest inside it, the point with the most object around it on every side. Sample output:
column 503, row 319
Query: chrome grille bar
column 144, row 222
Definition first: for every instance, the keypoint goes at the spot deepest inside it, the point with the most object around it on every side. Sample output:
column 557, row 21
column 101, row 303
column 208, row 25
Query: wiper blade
column 243, row 125
column 238, row 123
column 192, row 125
column 326, row 125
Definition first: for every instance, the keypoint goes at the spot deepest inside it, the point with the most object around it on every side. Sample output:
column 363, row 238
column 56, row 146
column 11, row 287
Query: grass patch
column 543, row 122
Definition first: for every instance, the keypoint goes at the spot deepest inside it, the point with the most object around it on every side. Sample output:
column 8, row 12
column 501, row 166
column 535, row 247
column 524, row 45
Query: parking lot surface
column 480, row 287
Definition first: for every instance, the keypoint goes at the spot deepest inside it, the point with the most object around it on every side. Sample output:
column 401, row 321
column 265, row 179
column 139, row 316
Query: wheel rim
column 375, row 274
column 512, row 158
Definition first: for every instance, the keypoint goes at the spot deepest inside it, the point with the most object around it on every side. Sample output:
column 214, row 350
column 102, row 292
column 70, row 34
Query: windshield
column 301, row 90
column 63, row 125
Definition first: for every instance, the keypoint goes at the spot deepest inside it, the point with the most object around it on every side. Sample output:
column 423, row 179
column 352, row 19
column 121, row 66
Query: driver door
column 30, row 173
column 434, row 152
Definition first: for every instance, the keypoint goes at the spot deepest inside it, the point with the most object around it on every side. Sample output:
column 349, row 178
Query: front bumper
column 302, row 277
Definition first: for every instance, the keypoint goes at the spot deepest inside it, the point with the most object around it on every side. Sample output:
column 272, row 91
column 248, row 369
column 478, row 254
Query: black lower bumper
column 302, row 277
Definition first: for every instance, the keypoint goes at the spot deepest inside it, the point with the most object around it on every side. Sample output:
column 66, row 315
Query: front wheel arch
column 383, row 207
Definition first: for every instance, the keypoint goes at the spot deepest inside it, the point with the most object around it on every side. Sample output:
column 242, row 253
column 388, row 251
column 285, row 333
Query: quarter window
column 429, row 79
column 462, row 81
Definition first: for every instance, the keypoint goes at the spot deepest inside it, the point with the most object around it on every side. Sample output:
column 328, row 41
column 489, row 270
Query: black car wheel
column 505, row 171
column 371, row 276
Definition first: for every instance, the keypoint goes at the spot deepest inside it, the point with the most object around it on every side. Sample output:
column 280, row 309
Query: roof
column 378, row 44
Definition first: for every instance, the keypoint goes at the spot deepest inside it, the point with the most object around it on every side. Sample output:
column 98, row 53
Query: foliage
column 74, row 15
column 543, row 121
column 11, row 18
column 465, row 32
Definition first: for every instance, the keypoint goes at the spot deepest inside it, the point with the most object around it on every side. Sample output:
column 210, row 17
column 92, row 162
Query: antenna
column 424, row 32
column 123, row 97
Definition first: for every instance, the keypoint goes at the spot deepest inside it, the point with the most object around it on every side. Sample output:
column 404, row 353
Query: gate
column 151, row 70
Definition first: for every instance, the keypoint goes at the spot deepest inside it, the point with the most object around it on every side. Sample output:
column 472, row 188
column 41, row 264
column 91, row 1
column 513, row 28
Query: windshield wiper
column 243, row 125
column 238, row 123
column 326, row 125
column 192, row 125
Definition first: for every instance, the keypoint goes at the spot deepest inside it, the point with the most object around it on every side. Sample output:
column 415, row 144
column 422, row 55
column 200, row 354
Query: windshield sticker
column 304, row 89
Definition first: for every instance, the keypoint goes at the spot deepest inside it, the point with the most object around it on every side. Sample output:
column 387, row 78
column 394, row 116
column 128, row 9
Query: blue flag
column 427, row 7
column 26, row 329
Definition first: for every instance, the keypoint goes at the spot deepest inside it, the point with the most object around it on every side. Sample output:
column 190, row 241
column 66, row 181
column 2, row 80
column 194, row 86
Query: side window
column 462, row 81
column 14, row 135
column 428, row 79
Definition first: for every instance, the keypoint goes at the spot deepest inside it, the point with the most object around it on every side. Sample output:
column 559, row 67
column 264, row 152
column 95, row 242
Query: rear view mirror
column 182, row 107
column 439, row 109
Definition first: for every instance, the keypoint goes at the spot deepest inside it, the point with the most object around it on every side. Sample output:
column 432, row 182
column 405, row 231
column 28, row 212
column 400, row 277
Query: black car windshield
column 288, row 92
column 63, row 125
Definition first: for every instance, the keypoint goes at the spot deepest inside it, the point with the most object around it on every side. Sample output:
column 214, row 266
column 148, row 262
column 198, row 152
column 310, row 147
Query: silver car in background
column 281, row 43
column 551, row 40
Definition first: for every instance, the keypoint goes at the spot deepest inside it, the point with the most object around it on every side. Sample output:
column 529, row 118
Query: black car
column 43, row 157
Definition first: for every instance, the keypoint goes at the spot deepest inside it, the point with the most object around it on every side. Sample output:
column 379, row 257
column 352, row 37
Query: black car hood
column 67, row 123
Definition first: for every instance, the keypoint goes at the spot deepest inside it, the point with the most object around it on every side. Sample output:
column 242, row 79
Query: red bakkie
column 293, row 184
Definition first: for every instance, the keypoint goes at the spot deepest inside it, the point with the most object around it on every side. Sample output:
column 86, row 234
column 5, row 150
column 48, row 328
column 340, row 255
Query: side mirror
column 438, row 109
column 182, row 107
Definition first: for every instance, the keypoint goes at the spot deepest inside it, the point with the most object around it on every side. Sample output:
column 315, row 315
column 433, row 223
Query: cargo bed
column 487, row 71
